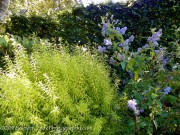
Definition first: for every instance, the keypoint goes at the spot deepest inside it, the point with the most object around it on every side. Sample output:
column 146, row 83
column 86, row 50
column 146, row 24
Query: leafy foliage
column 38, row 7
column 152, row 81
column 51, row 88
column 44, row 89
column 80, row 24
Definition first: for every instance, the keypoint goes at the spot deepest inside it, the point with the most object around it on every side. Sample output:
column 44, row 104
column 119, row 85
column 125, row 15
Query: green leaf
column 153, row 95
column 164, row 114
column 3, row 42
column 155, row 124
column 172, row 99
column 123, row 65
column 159, row 103
column 138, row 62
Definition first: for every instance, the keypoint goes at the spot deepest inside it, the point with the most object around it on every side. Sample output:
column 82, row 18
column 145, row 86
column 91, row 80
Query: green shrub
column 53, row 89
column 150, row 76
column 81, row 24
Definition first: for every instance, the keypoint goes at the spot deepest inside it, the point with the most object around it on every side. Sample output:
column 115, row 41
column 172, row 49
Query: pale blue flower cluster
column 131, row 38
column 120, row 57
column 155, row 37
column 131, row 74
column 139, row 49
column 107, row 42
column 164, row 61
column 121, row 30
column 127, row 41
column 145, row 46
column 103, row 31
column 132, row 105
column 101, row 49
column 167, row 90
column 112, row 61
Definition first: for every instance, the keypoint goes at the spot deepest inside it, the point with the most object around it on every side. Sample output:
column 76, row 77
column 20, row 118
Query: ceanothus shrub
column 149, row 78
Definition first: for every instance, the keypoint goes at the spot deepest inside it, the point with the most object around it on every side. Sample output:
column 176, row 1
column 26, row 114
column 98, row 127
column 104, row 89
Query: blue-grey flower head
column 126, row 42
column 145, row 46
column 164, row 61
column 103, row 31
column 132, row 104
column 139, row 49
column 155, row 37
column 107, row 42
column 118, row 29
column 156, row 51
column 167, row 90
column 101, row 49
column 116, row 21
column 121, row 30
column 121, row 57
column 131, row 74
column 112, row 61
column 131, row 38
column 121, row 44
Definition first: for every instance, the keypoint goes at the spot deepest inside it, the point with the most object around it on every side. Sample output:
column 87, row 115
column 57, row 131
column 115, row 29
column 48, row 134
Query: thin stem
column 135, row 128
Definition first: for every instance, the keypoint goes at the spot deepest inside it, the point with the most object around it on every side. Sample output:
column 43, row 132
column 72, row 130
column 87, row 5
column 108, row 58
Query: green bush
column 53, row 89
column 150, row 76
column 80, row 26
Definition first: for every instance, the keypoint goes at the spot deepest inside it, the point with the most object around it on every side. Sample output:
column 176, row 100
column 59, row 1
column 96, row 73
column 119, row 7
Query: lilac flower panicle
column 132, row 104
column 145, row 46
column 118, row 29
column 108, row 47
column 167, row 90
column 141, row 111
column 101, row 49
column 121, row 44
column 126, row 42
column 112, row 16
column 116, row 21
column 161, row 49
column 121, row 57
column 156, row 44
column 156, row 51
column 103, row 31
column 107, row 42
column 131, row 74
column 153, row 40
column 164, row 61
column 131, row 38
column 159, row 33
column 155, row 37
column 112, row 61
column 123, row 30
column 139, row 49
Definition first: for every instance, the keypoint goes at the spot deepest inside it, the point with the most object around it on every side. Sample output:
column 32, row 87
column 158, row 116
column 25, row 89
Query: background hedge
column 81, row 25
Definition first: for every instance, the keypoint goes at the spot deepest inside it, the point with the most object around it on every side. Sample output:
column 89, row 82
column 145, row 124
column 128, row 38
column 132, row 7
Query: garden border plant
column 152, row 83
column 51, row 88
